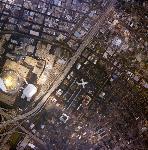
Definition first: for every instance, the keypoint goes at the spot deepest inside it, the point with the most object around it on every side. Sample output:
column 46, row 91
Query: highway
column 8, row 134
column 82, row 46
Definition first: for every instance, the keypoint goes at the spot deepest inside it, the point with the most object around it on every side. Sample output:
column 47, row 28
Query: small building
column 22, row 144
column 64, row 118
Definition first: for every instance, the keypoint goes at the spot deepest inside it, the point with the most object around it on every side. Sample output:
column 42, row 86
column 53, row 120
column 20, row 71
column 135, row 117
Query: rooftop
column 87, row 63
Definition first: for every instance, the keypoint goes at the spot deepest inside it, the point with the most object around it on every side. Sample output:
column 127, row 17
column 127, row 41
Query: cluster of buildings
column 102, row 101
column 49, row 19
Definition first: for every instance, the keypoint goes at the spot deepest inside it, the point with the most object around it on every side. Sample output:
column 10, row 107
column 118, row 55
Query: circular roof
column 11, row 81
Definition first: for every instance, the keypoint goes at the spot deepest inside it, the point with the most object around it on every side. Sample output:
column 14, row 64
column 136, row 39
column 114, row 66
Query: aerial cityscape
column 73, row 75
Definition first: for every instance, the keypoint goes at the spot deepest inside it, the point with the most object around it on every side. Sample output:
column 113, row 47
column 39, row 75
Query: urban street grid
column 74, row 74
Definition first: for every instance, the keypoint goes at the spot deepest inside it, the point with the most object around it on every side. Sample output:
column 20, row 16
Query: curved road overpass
column 86, row 41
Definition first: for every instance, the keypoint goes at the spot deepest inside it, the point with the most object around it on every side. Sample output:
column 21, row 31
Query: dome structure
column 11, row 81
column 29, row 91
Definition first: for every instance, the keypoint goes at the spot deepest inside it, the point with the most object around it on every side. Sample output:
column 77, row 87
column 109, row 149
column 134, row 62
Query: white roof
column 32, row 126
column 64, row 119
column 30, row 90
column 31, row 145
column 34, row 33
column 116, row 41
column 42, row 126
column 2, row 85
